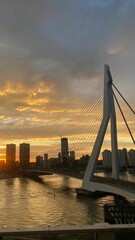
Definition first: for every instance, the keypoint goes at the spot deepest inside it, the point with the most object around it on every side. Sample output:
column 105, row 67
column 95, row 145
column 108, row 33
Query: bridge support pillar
column 108, row 115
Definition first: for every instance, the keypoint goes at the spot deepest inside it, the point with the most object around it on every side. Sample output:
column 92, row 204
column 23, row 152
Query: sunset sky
column 52, row 54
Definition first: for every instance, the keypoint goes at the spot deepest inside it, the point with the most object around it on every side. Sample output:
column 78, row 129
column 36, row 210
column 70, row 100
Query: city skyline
column 23, row 154
column 51, row 58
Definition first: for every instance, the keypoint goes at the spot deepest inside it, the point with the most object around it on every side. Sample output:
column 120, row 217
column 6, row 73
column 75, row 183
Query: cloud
column 63, row 40
column 51, row 54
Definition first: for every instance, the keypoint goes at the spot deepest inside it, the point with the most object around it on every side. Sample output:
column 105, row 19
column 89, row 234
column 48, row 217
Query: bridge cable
column 123, row 98
column 86, row 107
column 124, row 118
column 84, row 128
column 91, row 132
column 83, row 112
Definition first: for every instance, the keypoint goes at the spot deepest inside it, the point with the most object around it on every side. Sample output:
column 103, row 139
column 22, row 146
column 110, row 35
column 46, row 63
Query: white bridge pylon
column 108, row 115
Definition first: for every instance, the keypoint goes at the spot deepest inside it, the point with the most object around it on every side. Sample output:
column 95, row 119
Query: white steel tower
column 108, row 114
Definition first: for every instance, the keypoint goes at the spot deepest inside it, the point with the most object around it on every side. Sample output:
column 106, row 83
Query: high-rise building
column 64, row 148
column 72, row 155
column 126, row 156
column 24, row 155
column 122, row 158
column 46, row 157
column 107, row 158
column 39, row 161
column 46, row 160
column 10, row 155
column 131, row 155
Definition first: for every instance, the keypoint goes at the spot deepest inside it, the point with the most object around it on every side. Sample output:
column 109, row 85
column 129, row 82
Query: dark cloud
column 62, row 40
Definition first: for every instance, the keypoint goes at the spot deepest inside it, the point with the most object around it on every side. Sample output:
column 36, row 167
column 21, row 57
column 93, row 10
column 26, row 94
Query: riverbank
column 69, row 173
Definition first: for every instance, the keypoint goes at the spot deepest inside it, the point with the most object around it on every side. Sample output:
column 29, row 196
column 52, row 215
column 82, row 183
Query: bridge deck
column 117, row 183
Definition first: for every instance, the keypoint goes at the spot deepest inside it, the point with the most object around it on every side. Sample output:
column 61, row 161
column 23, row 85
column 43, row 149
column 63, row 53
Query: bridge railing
column 92, row 232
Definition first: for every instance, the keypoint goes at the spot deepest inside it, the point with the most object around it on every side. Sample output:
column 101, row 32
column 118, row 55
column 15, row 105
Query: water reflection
column 123, row 175
column 52, row 200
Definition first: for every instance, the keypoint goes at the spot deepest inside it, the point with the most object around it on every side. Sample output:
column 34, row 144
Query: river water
column 28, row 203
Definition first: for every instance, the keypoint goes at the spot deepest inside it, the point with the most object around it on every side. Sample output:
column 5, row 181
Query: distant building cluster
column 125, row 158
column 65, row 159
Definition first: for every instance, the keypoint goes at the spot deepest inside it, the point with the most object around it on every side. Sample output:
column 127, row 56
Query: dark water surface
column 25, row 202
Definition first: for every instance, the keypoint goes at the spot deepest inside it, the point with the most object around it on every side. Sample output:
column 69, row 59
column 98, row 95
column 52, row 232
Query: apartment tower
column 64, row 148
column 24, row 155
column 10, row 155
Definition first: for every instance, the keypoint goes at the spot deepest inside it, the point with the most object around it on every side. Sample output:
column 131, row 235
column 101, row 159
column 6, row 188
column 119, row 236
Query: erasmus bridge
column 113, row 184
column 92, row 183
